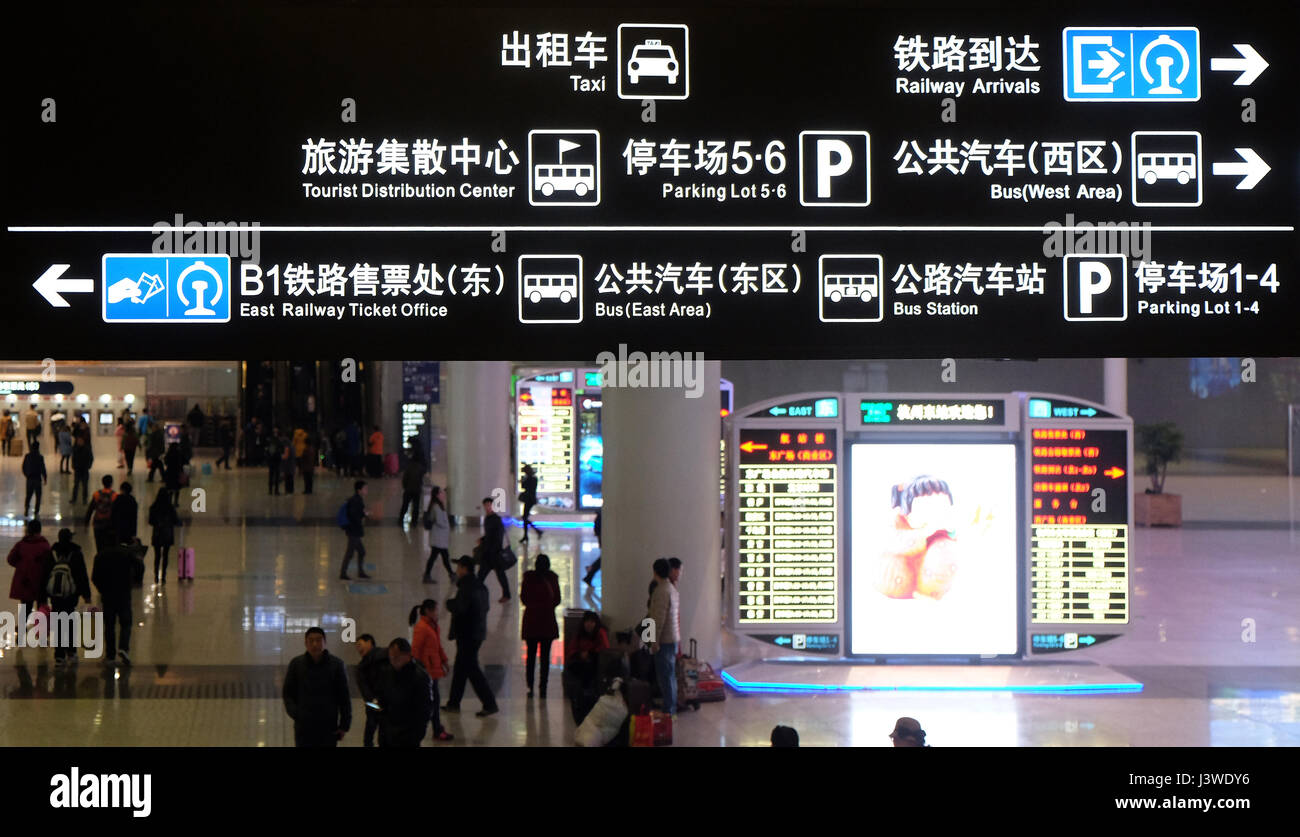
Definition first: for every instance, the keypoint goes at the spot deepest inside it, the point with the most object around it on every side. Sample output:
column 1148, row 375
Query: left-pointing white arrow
column 51, row 286
column 1254, row 168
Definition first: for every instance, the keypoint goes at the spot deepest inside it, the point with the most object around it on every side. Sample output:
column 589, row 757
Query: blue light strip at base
column 515, row 522
column 798, row 688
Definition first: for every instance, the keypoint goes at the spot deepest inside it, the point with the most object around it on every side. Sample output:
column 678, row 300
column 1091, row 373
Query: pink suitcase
column 185, row 564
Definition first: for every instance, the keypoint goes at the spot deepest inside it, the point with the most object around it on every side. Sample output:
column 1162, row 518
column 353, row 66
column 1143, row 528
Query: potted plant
column 1161, row 443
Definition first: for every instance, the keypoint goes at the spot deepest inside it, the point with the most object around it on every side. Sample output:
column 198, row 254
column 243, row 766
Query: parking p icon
column 1096, row 288
column 834, row 168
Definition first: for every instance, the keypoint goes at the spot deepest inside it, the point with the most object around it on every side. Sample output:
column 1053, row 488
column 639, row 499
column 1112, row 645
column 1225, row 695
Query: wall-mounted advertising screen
column 934, row 555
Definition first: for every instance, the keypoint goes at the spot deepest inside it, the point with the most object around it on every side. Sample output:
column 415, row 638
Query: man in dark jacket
column 412, row 485
column 155, row 447
column 225, row 438
column 82, row 459
column 406, row 698
column 113, row 575
column 316, row 695
column 63, row 581
column 34, row 470
column 469, row 629
column 494, row 533
column 356, row 530
column 373, row 659
column 126, row 515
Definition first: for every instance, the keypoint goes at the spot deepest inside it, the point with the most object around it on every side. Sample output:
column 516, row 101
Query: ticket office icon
column 149, row 288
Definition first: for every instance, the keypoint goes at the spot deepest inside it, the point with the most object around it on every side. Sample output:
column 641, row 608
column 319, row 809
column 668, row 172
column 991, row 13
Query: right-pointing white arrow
column 1254, row 168
column 51, row 286
column 1250, row 64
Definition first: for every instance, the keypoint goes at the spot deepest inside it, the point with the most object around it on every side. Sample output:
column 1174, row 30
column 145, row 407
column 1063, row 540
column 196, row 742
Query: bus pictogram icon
column 851, row 288
column 1166, row 168
column 550, row 289
column 564, row 168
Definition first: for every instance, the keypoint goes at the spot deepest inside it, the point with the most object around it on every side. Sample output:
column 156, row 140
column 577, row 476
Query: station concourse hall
column 1202, row 651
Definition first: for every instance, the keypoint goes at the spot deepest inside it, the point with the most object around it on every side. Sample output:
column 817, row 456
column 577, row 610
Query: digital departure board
column 1079, row 540
column 787, row 505
column 545, row 430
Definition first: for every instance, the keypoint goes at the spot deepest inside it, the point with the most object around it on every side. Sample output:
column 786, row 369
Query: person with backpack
column 82, row 459
column 63, row 582
column 28, row 560
column 100, row 511
column 164, row 520
column 274, row 456
column 34, row 471
column 539, row 592
column 351, row 519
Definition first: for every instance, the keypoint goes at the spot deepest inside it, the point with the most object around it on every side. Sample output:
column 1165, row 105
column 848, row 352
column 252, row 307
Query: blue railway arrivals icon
column 149, row 288
column 1143, row 64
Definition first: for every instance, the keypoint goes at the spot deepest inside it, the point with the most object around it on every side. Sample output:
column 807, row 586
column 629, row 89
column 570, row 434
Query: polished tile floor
column 209, row 654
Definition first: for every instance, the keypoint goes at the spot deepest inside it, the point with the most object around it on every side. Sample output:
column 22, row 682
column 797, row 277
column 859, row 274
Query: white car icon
column 652, row 58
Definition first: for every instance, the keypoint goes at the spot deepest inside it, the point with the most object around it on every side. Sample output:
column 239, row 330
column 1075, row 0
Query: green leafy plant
column 1161, row 443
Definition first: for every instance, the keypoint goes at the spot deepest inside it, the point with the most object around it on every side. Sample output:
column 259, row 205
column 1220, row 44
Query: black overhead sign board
column 778, row 181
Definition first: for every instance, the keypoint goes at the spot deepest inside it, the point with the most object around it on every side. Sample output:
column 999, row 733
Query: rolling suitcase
column 697, row 682
column 185, row 564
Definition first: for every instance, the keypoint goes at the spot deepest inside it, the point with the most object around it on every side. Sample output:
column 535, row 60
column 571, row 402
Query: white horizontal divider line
column 664, row 229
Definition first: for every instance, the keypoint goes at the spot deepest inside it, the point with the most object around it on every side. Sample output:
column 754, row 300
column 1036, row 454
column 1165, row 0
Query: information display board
column 1010, row 180
column 544, row 435
column 788, row 518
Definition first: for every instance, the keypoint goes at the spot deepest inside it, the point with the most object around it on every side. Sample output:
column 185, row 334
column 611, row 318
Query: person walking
column 82, row 460
column 113, row 576
column 289, row 464
column 356, row 529
column 121, row 430
column 375, row 452
column 144, row 423
column 65, row 450
column 528, row 496
column 494, row 538
column 195, row 422
column 439, row 526
column 665, row 610
column 225, row 438
column 130, row 442
column 100, row 511
column 32, row 422
column 27, row 557
column 34, row 471
column 316, row 694
column 405, row 698
column 173, row 469
column 373, row 659
column 412, row 485
column 469, row 629
column 307, row 462
column 63, row 581
column 6, row 432
column 126, row 515
column 164, row 520
column 154, row 447
column 595, row 565
column 426, row 646
column 274, row 458
column 539, row 592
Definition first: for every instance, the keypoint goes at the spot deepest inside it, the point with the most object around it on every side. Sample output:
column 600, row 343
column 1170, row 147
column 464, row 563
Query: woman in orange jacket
column 426, row 648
